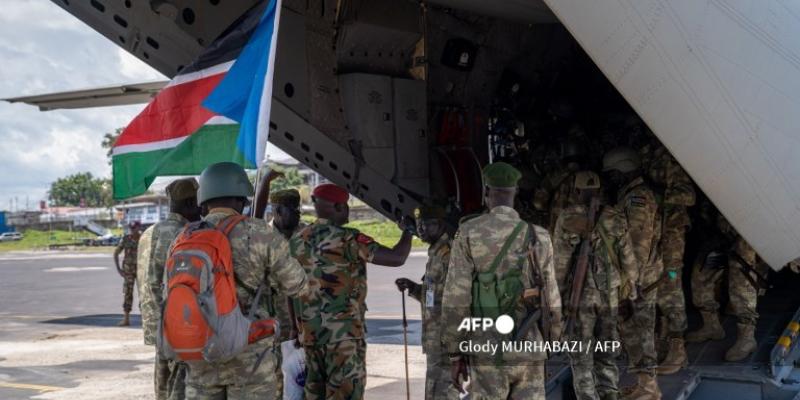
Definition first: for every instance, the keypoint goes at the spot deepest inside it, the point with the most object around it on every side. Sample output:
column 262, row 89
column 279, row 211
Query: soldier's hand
column 408, row 224
column 458, row 372
column 405, row 284
column 272, row 175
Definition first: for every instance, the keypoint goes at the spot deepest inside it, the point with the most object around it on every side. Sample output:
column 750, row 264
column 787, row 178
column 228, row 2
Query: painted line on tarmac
column 27, row 386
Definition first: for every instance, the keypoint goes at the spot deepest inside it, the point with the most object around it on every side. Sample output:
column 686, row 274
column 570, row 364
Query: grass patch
column 41, row 240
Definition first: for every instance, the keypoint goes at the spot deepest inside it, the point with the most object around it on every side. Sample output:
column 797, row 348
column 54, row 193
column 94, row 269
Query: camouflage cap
column 182, row 189
column 501, row 175
column 429, row 211
column 286, row 197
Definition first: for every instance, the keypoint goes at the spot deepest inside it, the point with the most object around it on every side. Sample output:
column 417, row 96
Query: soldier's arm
column 544, row 255
column 680, row 189
column 395, row 256
column 457, row 296
column 143, row 275
column 629, row 265
column 641, row 213
column 117, row 251
column 287, row 272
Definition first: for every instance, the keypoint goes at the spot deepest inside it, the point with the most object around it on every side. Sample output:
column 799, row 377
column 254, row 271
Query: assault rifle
column 581, row 265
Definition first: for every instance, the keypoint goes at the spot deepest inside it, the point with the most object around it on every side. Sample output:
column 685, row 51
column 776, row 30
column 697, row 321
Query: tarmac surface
column 59, row 340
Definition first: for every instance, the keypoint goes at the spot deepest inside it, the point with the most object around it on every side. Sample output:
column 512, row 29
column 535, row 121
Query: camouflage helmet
column 622, row 159
column 587, row 180
column 225, row 179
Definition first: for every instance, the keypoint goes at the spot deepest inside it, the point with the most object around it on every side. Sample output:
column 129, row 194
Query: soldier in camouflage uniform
column 740, row 262
column 562, row 181
column 476, row 244
column 432, row 229
column 333, row 322
column 259, row 253
column 637, row 201
column 127, row 271
column 153, row 246
column 612, row 271
column 677, row 194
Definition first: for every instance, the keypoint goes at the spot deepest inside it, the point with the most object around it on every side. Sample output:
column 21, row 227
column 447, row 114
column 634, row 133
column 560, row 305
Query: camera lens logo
column 504, row 324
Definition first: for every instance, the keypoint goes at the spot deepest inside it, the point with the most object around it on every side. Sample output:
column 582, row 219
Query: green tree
column 109, row 139
column 70, row 190
column 291, row 179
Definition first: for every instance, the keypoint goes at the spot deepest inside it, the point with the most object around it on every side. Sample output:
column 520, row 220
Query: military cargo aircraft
column 403, row 101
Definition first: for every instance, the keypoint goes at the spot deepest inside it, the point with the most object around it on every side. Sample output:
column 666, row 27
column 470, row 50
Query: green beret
column 182, row 189
column 286, row 197
column 429, row 211
column 501, row 175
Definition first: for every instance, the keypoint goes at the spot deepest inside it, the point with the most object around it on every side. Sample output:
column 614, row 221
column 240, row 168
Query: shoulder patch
column 637, row 201
column 364, row 239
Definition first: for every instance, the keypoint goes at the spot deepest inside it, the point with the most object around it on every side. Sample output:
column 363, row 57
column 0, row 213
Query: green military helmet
column 587, row 180
column 225, row 179
column 622, row 159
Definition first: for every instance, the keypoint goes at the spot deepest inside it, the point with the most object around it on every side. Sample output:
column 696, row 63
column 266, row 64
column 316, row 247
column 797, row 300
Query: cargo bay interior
column 421, row 96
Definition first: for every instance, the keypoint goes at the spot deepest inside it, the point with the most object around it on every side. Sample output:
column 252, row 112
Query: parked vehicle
column 10, row 236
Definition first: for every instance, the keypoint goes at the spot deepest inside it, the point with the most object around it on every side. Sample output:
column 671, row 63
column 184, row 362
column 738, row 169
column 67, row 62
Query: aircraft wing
column 718, row 81
column 98, row 97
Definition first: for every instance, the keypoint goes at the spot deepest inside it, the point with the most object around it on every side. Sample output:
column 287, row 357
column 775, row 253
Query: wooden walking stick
column 405, row 343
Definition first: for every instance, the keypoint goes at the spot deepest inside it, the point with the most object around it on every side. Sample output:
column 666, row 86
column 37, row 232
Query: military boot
column 711, row 330
column 745, row 343
column 646, row 389
column 676, row 358
column 126, row 320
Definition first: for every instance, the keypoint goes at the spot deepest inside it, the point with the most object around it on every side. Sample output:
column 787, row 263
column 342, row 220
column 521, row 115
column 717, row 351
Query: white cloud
column 45, row 49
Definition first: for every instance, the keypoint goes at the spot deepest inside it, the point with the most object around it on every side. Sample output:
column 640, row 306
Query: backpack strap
column 504, row 250
column 227, row 224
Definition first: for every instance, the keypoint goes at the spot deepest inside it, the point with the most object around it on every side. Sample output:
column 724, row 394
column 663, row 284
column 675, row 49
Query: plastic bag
column 294, row 371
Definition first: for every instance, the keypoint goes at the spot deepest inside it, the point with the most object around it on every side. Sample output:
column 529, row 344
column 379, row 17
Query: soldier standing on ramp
column 153, row 248
column 637, row 201
column 432, row 229
column 332, row 323
column 128, row 245
column 496, row 248
column 610, row 272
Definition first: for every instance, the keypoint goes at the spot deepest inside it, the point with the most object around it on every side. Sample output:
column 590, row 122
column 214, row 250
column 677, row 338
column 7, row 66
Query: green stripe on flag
column 134, row 172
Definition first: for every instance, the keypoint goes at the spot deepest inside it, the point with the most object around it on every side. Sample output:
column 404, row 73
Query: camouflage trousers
column 671, row 300
column 336, row 371
column 595, row 374
column 638, row 335
column 236, row 379
column 437, row 378
column 743, row 296
column 169, row 379
column 129, row 280
column 516, row 382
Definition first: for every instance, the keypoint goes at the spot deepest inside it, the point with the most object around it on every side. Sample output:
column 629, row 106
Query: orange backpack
column 201, row 317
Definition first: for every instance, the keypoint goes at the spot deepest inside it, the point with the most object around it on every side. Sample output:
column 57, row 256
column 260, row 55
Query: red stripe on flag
column 175, row 112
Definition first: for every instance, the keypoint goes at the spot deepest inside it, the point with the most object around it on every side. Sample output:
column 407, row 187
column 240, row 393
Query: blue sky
column 45, row 49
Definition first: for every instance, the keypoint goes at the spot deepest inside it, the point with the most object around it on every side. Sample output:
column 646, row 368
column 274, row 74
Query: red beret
column 331, row 192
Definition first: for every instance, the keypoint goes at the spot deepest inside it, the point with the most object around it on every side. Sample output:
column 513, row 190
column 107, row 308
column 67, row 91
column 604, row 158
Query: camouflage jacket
column 281, row 299
column 429, row 294
column 563, row 197
column 474, row 247
column 153, row 250
column 128, row 247
column 337, row 257
column 675, row 188
column 613, row 262
column 638, row 202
